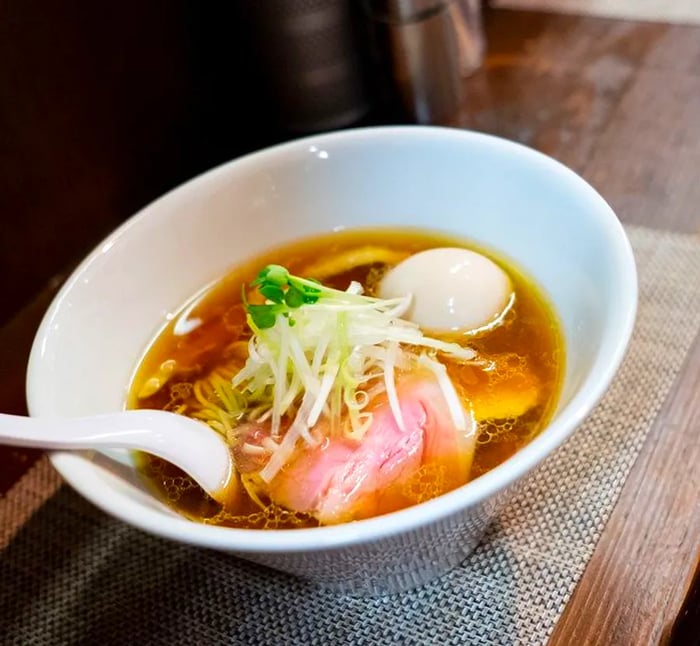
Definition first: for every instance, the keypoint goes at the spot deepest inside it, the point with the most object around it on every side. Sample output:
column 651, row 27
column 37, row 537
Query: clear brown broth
column 528, row 349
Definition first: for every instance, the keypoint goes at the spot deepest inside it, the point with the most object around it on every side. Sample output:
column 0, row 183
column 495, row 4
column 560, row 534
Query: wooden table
column 619, row 102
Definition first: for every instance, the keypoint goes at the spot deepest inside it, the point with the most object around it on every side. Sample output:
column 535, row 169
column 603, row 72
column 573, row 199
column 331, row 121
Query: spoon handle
column 188, row 444
column 128, row 429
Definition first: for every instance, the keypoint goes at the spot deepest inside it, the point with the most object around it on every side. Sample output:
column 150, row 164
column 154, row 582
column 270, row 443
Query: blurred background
column 104, row 106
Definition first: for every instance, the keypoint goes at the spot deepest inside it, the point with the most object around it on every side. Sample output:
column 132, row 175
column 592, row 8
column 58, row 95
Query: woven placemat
column 71, row 575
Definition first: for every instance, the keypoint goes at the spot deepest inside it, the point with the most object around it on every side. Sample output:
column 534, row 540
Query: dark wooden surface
column 619, row 102
column 103, row 107
column 101, row 111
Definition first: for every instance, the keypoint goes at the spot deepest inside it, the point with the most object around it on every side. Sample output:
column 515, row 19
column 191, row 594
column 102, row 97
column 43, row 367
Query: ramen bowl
column 506, row 197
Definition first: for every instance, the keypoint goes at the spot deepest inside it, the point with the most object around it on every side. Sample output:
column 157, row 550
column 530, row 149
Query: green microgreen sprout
column 284, row 292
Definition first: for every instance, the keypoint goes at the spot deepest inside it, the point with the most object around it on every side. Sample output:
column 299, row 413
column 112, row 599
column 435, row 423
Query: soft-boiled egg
column 454, row 290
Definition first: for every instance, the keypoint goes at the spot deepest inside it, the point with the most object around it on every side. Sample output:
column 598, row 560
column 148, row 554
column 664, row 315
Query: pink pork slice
column 345, row 480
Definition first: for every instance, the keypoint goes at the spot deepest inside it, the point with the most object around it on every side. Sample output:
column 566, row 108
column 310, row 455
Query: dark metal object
column 415, row 43
column 310, row 60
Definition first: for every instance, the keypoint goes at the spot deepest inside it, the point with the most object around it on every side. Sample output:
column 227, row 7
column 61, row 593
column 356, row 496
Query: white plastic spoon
column 188, row 444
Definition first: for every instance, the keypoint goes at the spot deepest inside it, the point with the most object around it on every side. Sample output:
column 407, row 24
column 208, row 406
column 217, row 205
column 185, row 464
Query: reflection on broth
column 345, row 410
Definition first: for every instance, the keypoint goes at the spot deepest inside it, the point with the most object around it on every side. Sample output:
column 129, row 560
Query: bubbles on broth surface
column 512, row 391
column 428, row 482
column 270, row 517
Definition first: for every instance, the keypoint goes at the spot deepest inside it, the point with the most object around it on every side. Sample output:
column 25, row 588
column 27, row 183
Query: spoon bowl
column 188, row 444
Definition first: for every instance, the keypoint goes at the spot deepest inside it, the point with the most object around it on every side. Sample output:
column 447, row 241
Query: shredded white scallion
column 285, row 449
column 390, row 384
column 253, row 449
column 326, row 384
column 330, row 358
column 448, row 391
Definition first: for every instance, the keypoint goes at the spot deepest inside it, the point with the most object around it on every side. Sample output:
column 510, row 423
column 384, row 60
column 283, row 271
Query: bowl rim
column 85, row 477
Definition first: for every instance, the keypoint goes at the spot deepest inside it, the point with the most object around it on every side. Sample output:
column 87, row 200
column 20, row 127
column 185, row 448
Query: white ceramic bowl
column 501, row 194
